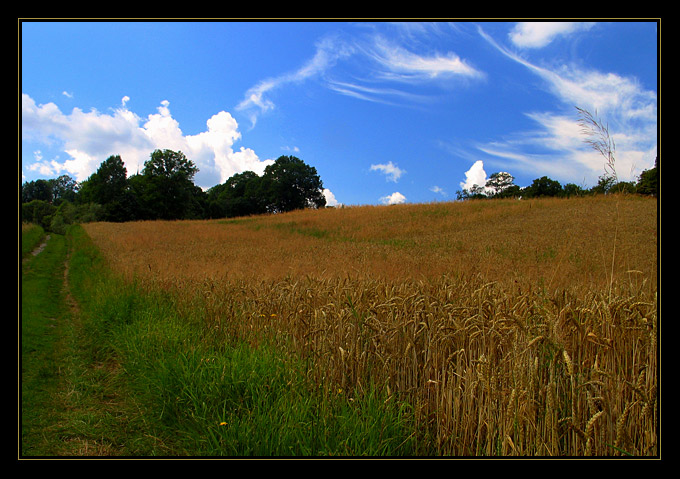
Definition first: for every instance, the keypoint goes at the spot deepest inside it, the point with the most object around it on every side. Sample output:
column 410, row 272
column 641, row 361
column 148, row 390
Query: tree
column 605, row 183
column 166, row 189
column 64, row 188
column 53, row 191
column 572, row 189
column 39, row 212
column 475, row 192
column 543, row 186
column 499, row 182
column 648, row 182
column 238, row 196
column 108, row 186
column 37, row 190
column 291, row 184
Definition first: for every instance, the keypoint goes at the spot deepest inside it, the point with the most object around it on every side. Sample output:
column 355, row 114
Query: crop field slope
column 518, row 327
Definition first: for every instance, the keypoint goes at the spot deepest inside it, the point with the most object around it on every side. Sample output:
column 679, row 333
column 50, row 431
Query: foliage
column 238, row 196
column 54, row 191
column 499, row 182
column 543, row 186
column 648, row 183
column 165, row 190
column 108, row 187
column 289, row 184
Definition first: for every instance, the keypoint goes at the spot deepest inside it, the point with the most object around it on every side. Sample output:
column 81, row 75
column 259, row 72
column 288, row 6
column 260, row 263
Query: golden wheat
column 504, row 335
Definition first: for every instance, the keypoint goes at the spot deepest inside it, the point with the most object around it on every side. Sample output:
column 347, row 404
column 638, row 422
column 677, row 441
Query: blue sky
column 386, row 112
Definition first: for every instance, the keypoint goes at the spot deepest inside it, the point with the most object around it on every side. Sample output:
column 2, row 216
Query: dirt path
column 61, row 414
column 38, row 249
column 41, row 247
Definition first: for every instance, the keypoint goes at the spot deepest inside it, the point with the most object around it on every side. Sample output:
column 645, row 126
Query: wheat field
column 524, row 328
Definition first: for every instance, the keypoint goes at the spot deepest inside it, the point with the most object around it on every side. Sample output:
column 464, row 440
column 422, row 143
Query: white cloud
column 388, row 61
column 328, row 51
column 402, row 64
column 330, row 198
column 629, row 110
column 437, row 189
column 539, row 34
column 474, row 176
column 393, row 199
column 46, row 168
column 90, row 137
column 392, row 172
column 372, row 93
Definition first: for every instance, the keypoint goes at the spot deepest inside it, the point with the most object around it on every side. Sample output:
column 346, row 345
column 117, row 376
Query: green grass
column 130, row 372
column 71, row 405
column 41, row 313
column 31, row 234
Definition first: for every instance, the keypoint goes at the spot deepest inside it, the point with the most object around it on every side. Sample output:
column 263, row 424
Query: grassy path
column 69, row 404
column 108, row 369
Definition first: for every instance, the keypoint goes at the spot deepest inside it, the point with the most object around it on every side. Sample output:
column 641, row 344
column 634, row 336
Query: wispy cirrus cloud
column 385, row 66
column 328, row 51
column 540, row 34
column 400, row 64
column 556, row 146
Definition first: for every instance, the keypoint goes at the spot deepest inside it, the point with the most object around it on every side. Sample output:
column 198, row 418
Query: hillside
column 558, row 242
column 503, row 327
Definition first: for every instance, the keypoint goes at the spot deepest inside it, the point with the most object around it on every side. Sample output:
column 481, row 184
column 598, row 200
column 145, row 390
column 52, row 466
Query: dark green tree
column 166, row 189
column 39, row 212
column 475, row 192
column 604, row 184
column 290, row 184
column 648, row 182
column 572, row 189
column 238, row 196
column 64, row 188
column 108, row 186
column 54, row 190
column 543, row 186
column 37, row 190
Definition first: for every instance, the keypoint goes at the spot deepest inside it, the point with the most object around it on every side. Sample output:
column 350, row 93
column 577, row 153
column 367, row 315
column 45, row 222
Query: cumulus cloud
column 391, row 171
column 88, row 138
column 330, row 198
column 474, row 176
column 393, row 199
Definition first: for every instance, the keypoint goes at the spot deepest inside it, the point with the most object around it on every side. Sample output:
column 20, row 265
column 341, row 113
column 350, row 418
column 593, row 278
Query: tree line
column 501, row 185
column 165, row 190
